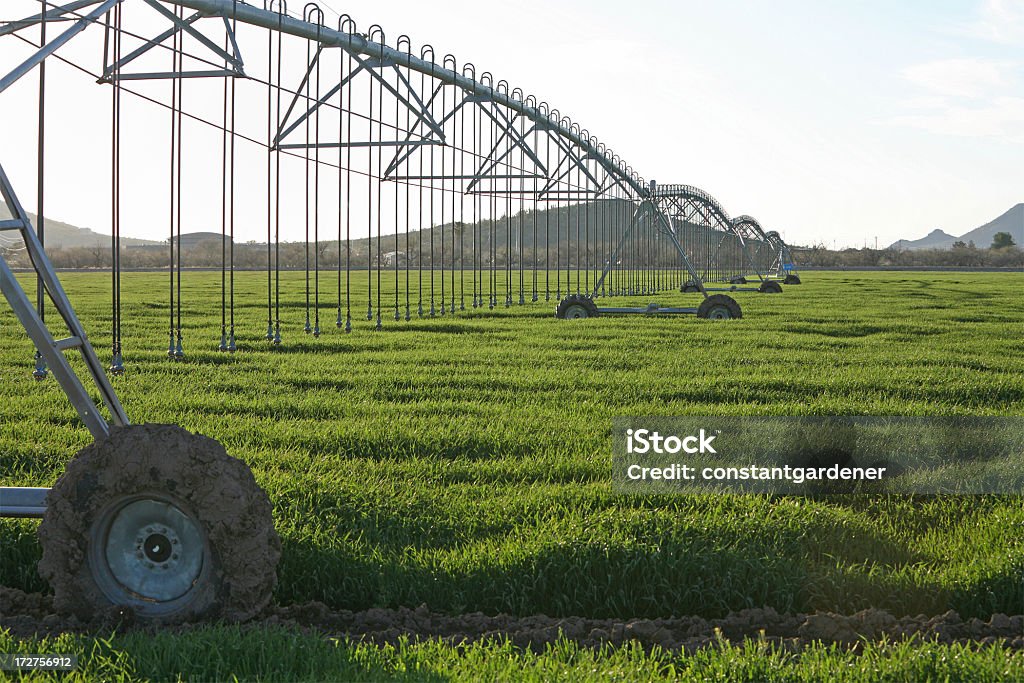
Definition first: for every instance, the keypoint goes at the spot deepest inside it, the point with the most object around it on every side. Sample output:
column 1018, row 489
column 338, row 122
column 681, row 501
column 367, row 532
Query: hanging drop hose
column 223, row 346
column 179, row 352
column 277, row 189
column 380, row 168
column 40, row 372
column 461, row 193
column 419, row 217
column 117, row 360
column 172, row 178
column 369, row 207
column 339, row 323
column 348, row 194
column 316, row 190
column 408, row 198
column 433, row 192
column 232, row 346
column 395, row 253
column 308, row 327
column 269, row 336
column 444, row 107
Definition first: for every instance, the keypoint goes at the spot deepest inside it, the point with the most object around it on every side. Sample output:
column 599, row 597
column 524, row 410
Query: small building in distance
column 190, row 240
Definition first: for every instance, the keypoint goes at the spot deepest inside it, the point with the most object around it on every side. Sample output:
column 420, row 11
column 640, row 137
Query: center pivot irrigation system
column 445, row 191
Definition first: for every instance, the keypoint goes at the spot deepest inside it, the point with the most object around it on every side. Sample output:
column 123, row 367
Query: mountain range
column 63, row 235
column 1012, row 222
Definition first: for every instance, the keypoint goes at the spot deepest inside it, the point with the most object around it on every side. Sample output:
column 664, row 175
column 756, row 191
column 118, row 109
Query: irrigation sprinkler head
column 223, row 346
column 232, row 346
column 116, row 365
column 270, row 332
column 40, row 372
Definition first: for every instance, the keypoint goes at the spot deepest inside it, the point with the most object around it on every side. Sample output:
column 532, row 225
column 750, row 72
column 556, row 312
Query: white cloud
column 964, row 77
column 965, row 97
column 1002, row 117
column 999, row 21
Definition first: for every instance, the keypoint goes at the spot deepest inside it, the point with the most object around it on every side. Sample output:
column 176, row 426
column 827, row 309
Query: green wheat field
column 464, row 462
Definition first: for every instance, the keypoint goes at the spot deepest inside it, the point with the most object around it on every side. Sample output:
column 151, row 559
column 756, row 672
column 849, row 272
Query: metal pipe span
column 353, row 42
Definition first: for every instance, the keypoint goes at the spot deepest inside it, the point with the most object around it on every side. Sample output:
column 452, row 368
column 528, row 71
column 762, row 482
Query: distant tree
column 1002, row 240
column 959, row 244
column 971, row 245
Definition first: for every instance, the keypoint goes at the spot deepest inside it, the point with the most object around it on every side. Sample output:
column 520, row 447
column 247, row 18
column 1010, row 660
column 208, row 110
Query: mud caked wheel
column 689, row 288
column 719, row 307
column 576, row 307
column 770, row 287
column 163, row 522
column 792, row 279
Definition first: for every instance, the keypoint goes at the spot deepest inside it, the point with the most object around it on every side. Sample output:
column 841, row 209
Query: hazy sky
column 836, row 122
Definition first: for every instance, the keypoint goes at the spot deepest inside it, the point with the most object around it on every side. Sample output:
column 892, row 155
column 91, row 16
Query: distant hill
column 63, row 235
column 936, row 239
column 1012, row 222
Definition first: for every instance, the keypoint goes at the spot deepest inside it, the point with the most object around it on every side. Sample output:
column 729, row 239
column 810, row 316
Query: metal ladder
column 30, row 502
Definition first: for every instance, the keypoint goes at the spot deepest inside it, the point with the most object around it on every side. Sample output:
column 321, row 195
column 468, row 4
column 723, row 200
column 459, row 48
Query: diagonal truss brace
column 52, row 350
column 56, row 14
column 649, row 209
column 233, row 59
column 369, row 65
column 55, row 44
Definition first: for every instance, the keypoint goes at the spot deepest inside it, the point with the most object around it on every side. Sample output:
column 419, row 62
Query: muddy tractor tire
column 791, row 279
column 161, row 522
column 770, row 287
column 689, row 288
column 719, row 307
column 576, row 307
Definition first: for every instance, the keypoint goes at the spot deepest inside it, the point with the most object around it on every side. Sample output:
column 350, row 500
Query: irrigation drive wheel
column 689, row 287
column 576, row 307
column 770, row 287
column 792, row 279
column 162, row 521
column 719, row 307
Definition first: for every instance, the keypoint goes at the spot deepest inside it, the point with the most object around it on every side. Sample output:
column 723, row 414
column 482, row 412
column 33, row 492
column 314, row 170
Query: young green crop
column 464, row 462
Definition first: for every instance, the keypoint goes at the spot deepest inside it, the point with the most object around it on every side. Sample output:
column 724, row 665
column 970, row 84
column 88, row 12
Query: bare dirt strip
column 32, row 614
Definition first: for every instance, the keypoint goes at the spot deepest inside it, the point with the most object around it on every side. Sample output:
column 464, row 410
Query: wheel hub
column 576, row 312
column 719, row 313
column 150, row 550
